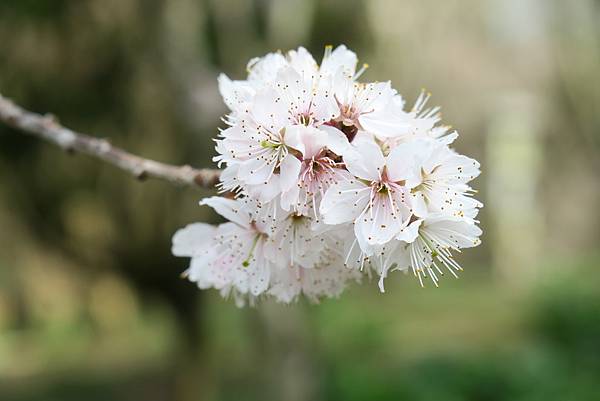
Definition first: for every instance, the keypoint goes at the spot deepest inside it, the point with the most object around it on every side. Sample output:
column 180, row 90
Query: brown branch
column 46, row 127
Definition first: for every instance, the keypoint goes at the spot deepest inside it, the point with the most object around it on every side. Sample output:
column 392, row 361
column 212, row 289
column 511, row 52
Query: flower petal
column 387, row 121
column 405, row 160
column 340, row 59
column 410, row 233
column 307, row 140
column 192, row 239
column 344, row 201
column 236, row 94
column 336, row 141
column 231, row 209
column 289, row 169
column 365, row 160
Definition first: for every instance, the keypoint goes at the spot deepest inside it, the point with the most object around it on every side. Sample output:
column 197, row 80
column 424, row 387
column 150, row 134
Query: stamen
column 361, row 71
column 246, row 262
column 327, row 52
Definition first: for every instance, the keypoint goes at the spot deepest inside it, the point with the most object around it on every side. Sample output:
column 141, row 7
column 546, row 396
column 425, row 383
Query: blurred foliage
column 91, row 304
column 547, row 349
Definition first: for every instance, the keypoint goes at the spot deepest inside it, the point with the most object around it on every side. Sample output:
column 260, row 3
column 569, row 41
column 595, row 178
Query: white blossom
column 320, row 167
column 231, row 257
column 377, row 200
column 428, row 254
column 329, row 179
column 443, row 184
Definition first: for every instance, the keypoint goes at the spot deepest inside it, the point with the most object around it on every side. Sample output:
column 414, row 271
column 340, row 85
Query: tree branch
column 46, row 127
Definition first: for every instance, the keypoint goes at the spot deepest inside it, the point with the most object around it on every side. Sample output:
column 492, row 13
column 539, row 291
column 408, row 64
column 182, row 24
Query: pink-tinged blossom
column 358, row 102
column 377, row 200
column 231, row 257
column 256, row 144
column 321, row 166
column 332, row 179
column 267, row 72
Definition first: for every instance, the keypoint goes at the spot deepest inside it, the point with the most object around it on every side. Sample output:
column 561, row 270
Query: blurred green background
column 91, row 303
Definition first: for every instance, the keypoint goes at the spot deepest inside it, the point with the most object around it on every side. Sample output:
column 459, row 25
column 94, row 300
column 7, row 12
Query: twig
column 46, row 127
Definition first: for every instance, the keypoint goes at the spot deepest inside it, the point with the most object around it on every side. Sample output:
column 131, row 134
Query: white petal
column 336, row 140
column 340, row 58
column 302, row 61
column 372, row 97
column 405, row 160
column 262, row 70
column 289, row 198
column 307, row 140
column 201, row 273
column 367, row 249
column 418, row 204
column 365, row 160
column 344, row 201
column 228, row 177
column 343, row 87
column 289, row 171
column 265, row 192
column 447, row 139
column 458, row 233
column 236, row 94
column 233, row 140
column 258, row 272
column 192, row 239
column 396, row 258
column 257, row 171
column 410, row 233
column 231, row 209
column 285, row 284
column 453, row 168
column 388, row 121
column 267, row 111
column 380, row 223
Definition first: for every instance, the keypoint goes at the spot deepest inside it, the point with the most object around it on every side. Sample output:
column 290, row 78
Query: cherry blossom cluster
column 327, row 179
